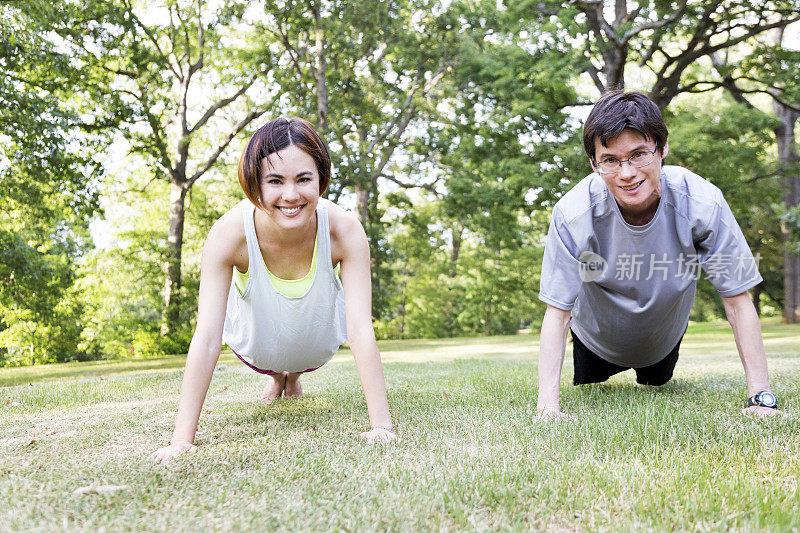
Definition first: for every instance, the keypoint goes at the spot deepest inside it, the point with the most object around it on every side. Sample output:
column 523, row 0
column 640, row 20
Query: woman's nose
column 289, row 191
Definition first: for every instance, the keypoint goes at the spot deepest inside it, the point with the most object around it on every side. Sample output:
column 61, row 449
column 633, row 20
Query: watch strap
column 755, row 400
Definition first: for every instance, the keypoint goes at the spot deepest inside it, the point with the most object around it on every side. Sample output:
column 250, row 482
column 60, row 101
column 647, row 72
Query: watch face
column 767, row 399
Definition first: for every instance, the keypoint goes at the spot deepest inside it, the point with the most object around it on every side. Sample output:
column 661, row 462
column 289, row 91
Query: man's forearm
column 552, row 343
column 747, row 332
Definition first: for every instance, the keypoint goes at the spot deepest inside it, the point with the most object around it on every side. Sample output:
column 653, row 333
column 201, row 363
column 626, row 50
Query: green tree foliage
column 172, row 78
column 771, row 69
column 370, row 72
column 728, row 143
column 502, row 148
column 121, row 283
column 47, row 189
column 668, row 49
column 451, row 283
column 454, row 127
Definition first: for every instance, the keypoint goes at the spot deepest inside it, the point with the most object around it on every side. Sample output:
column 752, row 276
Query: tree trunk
column 362, row 205
column 615, row 76
column 172, row 265
column 458, row 232
column 757, row 298
column 403, row 309
column 488, row 326
column 364, row 201
column 458, row 236
column 319, row 69
column 788, row 159
column 319, row 74
column 614, row 71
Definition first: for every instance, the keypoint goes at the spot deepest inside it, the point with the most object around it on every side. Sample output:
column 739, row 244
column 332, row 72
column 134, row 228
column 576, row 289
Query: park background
column 454, row 127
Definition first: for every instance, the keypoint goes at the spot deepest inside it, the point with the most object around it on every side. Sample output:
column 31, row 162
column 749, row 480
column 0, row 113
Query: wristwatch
column 764, row 398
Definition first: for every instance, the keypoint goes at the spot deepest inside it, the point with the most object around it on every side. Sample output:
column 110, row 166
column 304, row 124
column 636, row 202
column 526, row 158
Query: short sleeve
column 560, row 279
column 724, row 254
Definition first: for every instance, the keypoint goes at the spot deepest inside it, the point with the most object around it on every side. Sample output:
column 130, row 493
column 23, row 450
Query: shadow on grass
column 601, row 397
column 672, row 388
column 309, row 417
column 254, row 413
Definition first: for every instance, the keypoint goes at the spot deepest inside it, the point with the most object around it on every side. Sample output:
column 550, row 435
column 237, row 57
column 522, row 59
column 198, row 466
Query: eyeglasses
column 613, row 165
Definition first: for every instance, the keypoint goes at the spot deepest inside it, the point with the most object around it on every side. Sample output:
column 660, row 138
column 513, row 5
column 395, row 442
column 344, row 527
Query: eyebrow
column 636, row 149
column 276, row 175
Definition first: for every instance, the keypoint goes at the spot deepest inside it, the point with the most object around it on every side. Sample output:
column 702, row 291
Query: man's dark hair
column 616, row 111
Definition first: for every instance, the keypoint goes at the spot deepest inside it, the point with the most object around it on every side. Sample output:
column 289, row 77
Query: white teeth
column 289, row 210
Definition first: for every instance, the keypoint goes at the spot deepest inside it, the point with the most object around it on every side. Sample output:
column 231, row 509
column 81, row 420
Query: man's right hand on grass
column 167, row 453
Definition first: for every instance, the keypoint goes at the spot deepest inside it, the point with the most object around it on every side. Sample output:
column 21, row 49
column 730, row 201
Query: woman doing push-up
column 284, row 281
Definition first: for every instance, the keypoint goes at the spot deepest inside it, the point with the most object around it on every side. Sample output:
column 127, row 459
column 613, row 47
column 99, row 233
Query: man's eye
column 609, row 161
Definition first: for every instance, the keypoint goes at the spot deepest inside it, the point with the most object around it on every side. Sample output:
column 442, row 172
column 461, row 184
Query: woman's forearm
column 370, row 371
column 197, row 375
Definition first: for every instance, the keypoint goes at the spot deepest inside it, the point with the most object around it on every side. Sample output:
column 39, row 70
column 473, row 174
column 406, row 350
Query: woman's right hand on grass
column 379, row 434
column 167, row 453
column 552, row 414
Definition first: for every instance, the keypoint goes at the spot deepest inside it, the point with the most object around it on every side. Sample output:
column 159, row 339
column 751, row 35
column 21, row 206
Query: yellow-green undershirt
column 293, row 288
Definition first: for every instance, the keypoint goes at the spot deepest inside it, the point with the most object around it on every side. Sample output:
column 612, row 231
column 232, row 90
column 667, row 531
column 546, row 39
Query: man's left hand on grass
column 761, row 411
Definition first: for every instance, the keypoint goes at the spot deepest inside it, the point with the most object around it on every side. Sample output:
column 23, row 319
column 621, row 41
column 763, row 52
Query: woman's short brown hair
column 273, row 137
column 617, row 111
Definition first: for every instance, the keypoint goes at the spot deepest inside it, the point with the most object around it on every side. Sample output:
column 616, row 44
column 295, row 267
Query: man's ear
column 665, row 150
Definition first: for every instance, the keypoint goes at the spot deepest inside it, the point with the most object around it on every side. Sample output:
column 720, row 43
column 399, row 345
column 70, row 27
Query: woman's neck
column 275, row 235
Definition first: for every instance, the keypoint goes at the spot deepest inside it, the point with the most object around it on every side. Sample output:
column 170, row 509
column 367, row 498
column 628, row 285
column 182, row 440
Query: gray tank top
column 272, row 332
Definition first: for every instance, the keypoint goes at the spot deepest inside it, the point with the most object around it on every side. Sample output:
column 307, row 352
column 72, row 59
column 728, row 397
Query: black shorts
column 591, row 368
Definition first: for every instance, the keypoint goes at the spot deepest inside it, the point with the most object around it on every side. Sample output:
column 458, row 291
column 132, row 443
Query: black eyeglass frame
column 620, row 161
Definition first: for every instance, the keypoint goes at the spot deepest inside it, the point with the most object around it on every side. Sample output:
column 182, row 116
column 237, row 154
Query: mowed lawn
column 471, row 454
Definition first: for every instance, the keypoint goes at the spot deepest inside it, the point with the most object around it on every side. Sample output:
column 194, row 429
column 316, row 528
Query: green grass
column 471, row 453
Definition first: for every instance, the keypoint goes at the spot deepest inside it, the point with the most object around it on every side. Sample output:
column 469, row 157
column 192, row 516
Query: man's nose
column 627, row 170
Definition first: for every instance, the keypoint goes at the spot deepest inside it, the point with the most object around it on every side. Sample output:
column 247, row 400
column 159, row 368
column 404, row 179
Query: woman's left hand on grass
column 167, row 453
column 379, row 434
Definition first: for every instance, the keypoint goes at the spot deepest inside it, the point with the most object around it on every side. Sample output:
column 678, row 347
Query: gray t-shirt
column 631, row 288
